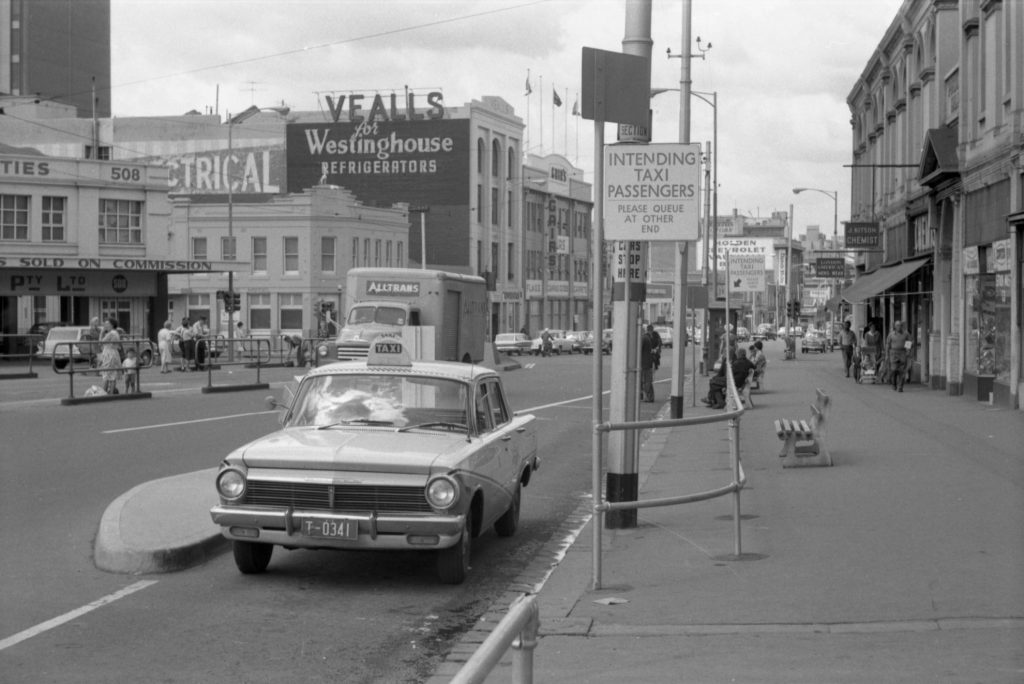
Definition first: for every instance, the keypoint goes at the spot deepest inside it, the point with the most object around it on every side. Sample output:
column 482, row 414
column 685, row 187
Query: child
column 130, row 366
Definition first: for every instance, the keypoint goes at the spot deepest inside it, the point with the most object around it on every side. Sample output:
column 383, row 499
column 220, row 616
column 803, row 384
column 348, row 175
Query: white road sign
column 628, row 253
column 746, row 273
column 652, row 192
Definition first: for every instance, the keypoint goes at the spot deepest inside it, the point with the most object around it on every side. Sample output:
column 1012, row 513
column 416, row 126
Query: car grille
column 337, row 497
column 353, row 351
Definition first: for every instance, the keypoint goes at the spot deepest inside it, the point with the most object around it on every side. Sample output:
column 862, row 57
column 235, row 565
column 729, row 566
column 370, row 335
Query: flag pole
column 565, row 124
column 529, row 90
column 540, row 111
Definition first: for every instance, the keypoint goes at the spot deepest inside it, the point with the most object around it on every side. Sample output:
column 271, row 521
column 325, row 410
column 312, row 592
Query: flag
column 557, row 101
column 528, row 88
column 576, row 106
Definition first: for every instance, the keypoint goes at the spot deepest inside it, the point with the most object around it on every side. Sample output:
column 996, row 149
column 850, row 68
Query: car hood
column 360, row 449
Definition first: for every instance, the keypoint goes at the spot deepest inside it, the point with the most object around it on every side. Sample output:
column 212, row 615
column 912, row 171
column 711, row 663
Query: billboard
column 252, row 169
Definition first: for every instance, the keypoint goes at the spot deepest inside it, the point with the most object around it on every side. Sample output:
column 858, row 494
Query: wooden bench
column 804, row 442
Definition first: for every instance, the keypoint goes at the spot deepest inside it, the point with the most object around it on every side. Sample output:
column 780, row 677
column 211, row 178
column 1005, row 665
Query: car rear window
column 63, row 335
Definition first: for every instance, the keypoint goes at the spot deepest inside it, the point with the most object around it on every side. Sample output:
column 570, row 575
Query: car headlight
column 322, row 350
column 231, row 483
column 442, row 492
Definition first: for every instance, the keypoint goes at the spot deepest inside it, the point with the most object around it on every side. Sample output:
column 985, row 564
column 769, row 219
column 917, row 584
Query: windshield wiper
column 358, row 421
column 434, row 423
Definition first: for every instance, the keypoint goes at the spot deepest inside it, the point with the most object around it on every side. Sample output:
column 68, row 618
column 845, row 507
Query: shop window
column 259, row 255
column 290, row 306
column 327, row 256
column 988, row 312
column 400, row 260
column 39, row 309
column 13, row 217
column 366, row 251
column 120, row 222
column 259, row 312
column 54, row 219
column 291, row 256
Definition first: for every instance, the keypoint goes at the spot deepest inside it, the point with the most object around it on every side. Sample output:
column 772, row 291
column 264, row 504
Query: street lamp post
column 229, row 181
column 834, row 194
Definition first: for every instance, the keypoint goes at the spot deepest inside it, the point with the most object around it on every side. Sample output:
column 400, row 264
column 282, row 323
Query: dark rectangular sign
column 830, row 267
column 862, row 234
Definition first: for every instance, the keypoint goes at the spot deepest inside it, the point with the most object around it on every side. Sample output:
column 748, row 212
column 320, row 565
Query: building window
column 376, row 253
column 120, row 222
column 198, row 307
column 290, row 306
column 259, row 311
column 480, row 150
column 199, row 248
column 494, row 206
column 13, row 217
column 511, row 162
column 259, row 255
column 228, row 248
column 54, row 223
column 366, row 251
column 508, row 216
column 327, row 260
column 103, row 152
column 387, row 252
column 495, row 159
column 401, row 256
column 39, row 309
column 291, row 256
column 355, row 252
column 479, row 203
column 120, row 310
column 511, row 262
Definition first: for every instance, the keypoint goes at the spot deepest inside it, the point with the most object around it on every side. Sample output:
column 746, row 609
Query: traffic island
column 72, row 401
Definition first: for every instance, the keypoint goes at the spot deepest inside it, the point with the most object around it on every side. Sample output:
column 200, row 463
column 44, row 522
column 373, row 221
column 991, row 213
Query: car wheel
column 508, row 523
column 250, row 557
column 453, row 562
column 60, row 363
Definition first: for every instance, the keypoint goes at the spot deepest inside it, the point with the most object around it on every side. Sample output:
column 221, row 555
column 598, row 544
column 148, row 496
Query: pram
column 867, row 366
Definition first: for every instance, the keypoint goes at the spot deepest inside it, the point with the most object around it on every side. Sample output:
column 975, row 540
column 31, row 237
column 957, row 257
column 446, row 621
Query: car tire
column 453, row 562
column 508, row 523
column 250, row 557
column 60, row 364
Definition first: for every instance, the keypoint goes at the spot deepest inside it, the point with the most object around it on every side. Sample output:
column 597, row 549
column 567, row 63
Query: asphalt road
column 315, row 616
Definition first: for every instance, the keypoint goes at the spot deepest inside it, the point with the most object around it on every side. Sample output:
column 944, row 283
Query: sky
column 782, row 70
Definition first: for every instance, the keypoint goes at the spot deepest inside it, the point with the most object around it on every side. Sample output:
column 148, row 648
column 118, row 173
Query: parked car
column 764, row 331
column 512, row 343
column 53, row 348
column 665, row 333
column 382, row 454
column 814, row 340
column 742, row 334
column 559, row 343
column 795, row 331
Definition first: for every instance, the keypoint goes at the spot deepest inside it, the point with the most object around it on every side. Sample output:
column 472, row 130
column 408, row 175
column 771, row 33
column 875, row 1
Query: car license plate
column 331, row 529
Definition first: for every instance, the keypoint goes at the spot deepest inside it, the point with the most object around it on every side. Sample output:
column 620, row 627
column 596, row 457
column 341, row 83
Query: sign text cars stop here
column 652, row 192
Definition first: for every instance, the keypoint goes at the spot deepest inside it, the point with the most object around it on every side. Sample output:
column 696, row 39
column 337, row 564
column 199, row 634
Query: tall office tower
column 54, row 49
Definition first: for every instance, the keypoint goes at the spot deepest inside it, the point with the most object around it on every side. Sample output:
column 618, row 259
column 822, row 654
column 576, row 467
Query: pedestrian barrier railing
column 84, row 358
column 26, row 341
column 218, row 348
column 731, row 415
column 518, row 631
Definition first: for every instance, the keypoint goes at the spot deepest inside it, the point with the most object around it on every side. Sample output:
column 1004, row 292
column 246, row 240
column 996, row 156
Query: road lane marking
column 573, row 401
column 186, row 422
column 76, row 613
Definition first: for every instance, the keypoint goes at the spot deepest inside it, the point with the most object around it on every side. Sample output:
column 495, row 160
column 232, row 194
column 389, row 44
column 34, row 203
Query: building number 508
column 123, row 174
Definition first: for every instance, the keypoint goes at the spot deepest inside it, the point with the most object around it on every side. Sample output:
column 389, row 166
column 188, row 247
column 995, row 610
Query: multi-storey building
column 938, row 168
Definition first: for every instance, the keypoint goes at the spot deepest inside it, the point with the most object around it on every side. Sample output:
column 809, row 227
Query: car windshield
column 386, row 315
column 378, row 399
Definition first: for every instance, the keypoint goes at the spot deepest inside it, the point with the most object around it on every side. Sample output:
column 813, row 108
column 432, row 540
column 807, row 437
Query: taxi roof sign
column 388, row 351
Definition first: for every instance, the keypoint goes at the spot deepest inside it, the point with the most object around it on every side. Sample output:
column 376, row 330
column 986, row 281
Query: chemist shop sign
column 652, row 192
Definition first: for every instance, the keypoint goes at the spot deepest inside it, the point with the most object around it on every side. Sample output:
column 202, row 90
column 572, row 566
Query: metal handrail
column 93, row 348
column 518, row 631
column 219, row 344
column 732, row 415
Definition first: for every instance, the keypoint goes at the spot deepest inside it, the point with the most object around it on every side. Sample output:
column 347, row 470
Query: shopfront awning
column 881, row 280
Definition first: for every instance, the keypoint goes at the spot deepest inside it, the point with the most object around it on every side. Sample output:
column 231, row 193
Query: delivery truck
column 385, row 300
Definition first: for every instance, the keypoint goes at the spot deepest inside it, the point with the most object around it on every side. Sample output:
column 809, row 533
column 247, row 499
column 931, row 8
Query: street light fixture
column 834, row 194
column 230, row 303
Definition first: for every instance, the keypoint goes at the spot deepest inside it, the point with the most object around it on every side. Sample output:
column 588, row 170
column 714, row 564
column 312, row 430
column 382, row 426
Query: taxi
column 386, row 453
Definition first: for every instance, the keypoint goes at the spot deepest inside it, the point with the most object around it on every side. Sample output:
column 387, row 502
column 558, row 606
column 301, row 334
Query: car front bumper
column 283, row 526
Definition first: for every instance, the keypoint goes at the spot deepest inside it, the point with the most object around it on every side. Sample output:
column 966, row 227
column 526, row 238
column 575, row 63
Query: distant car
column 814, row 341
column 795, row 331
column 765, row 331
column 559, row 343
column 385, row 454
column 512, row 343
column 606, row 340
column 742, row 334
column 665, row 333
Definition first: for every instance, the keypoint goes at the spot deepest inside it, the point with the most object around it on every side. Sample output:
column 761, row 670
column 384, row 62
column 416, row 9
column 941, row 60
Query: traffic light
column 796, row 308
column 232, row 300
column 789, row 309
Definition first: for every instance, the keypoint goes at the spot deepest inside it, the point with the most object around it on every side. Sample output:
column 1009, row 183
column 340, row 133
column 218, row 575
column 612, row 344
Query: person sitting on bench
column 741, row 367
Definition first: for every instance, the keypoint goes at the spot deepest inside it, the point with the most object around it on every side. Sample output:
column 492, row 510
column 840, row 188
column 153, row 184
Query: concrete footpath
column 902, row 563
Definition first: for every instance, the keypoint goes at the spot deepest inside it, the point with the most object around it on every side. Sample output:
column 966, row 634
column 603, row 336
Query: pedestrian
column 184, row 335
column 896, row 347
column 110, row 356
column 871, row 344
column 760, row 361
column 545, row 342
column 847, row 342
column 655, row 346
column 130, row 368
column 240, row 335
column 164, row 342
column 647, row 366
column 200, row 332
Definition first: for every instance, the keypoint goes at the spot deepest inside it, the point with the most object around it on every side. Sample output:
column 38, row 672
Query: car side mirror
column 273, row 404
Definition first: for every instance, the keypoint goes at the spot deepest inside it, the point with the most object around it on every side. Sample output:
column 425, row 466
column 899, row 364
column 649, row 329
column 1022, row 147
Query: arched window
column 512, row 157
column 495, row 158
column 481, row 149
